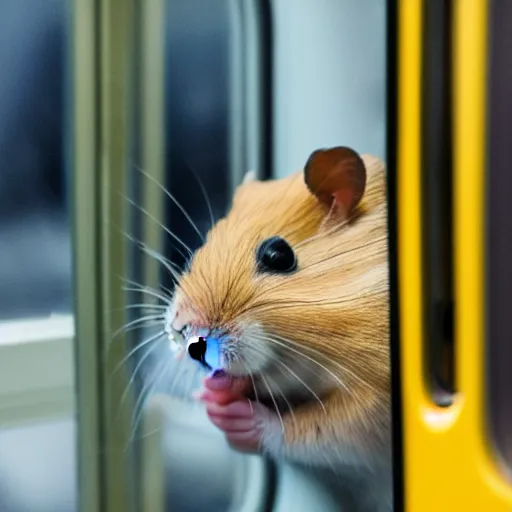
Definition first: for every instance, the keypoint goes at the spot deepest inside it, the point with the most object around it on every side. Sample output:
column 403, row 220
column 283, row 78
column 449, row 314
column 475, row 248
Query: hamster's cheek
column 254, row 353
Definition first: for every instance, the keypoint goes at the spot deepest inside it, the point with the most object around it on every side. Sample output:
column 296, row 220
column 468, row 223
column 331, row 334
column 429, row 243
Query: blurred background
column 217, row 88
column 103, row 103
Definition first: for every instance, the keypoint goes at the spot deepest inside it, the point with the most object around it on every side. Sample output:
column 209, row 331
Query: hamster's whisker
column 180, row 371
column 203, row 189
column 148, row 291
column 137, row 321
column 147, row 434
column 138, row 366
column 146, row 391
column 167, row 292
column 288, row 405
column 143, row 325
column 254, row 388
column 140, row 345
column 289, row 370
column 343, row 368
column 301, row 381
column 146, row 324
column 171, row 267
column 167, row 230
column 248, row 372
column 152, row 308
column 206, row 198
column 173, row 199
column 188, row 387
column 166, row 299
column 273, row 401
column 295, row 351
column 155, row 255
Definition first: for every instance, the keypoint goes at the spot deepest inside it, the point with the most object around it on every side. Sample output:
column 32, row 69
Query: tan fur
column 334, row 308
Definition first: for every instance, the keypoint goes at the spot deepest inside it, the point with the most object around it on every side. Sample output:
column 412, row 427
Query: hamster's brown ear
column 337, row 177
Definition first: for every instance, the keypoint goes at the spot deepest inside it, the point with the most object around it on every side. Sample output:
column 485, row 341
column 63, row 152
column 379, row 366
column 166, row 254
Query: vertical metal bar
column 392, row 79
column 250, row 137
column 86, row 261
column 152, row 102
column 237, row 124
column 253, row 108
column 103, row 31
column 265, row 140
column 250, row 86
column 151, row 98
column 116, row 49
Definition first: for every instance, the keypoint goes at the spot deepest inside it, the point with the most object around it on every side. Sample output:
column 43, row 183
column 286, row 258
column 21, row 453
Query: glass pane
column 37, row 439
column 217, row 89
column 204, row 98
column 35, row 258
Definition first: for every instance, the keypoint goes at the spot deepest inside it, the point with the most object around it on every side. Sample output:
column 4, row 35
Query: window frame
column 36, row 370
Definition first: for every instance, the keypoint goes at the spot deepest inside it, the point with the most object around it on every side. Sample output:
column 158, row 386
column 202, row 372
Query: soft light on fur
column 319, row 336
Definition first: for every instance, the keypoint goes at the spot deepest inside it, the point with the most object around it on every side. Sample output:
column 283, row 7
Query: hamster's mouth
column 253, row 386
column 219, row 350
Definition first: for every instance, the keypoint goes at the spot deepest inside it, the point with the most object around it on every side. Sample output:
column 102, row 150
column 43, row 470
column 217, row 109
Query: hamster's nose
column 205, row 350
column 196, row 347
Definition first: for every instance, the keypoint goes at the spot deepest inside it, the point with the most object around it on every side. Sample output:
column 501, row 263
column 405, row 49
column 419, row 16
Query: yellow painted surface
column 448, row 460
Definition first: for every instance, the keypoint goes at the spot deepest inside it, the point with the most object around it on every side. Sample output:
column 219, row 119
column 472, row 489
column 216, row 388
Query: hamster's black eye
column 275, row 255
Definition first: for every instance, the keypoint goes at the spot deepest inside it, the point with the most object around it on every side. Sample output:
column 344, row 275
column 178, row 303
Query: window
column 36, row 323
column 182, row 95
column 203, row 93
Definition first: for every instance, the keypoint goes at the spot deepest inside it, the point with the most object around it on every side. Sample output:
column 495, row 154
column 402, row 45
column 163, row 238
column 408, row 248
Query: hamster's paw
column 245, row 423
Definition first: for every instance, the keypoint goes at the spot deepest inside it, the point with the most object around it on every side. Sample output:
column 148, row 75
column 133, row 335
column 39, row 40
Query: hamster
column 295, row 281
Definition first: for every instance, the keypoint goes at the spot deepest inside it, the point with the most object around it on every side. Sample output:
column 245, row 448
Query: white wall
column 329, row 78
